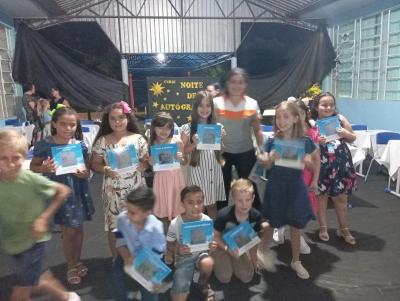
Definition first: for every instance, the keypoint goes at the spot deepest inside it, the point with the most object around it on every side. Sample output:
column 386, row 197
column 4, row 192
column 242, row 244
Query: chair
column 267, row 128
column 359, row 127
column 12, row 122
column 85, row 129
column 87, row 122
column 382, row 139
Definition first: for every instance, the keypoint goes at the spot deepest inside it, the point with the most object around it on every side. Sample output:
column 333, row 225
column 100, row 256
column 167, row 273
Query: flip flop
column 82, row 269
column 73, row 276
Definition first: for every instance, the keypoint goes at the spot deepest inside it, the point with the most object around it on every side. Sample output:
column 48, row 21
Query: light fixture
column 160, row 57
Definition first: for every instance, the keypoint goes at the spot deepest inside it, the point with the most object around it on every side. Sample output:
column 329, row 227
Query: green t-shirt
column 21, row 202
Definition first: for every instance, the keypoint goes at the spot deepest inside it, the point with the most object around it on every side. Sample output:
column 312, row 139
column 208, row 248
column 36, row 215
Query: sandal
column 323, row 233
column 73, row 276
column 208, row 293
column 82, row 269
column 345, row 234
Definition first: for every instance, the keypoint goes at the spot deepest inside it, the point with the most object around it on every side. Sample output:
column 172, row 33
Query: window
column 392, row 88
column 7, row 86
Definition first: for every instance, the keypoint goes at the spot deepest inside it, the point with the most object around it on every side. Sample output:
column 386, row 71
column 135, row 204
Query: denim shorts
column 30, row 265
column 184, row 271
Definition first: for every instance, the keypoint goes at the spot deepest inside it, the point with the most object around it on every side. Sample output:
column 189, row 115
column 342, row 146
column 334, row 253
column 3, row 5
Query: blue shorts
column 30, row 265
column 184, row 271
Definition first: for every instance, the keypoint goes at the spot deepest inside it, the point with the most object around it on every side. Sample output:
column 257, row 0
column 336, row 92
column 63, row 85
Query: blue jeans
column 119, row 287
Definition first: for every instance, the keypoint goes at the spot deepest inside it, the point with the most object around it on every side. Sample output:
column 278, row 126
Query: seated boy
column 24, row 218
column 192, row 199
column 137, row 228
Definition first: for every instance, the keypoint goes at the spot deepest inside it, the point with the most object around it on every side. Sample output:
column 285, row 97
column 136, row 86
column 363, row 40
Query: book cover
column 241, row 238
column 291, row 153
column 328, row 127
column 197, row 235
column 209, row 136
column 164, row 156
column 68, row 158
column 123, row 159
column 148, row 269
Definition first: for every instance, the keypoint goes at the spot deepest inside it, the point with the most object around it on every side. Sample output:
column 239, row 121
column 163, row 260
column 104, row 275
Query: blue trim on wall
column 376, row 114
column 6, row 20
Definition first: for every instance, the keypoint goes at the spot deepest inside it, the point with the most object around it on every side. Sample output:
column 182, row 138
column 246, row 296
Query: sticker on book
column 68, row 158
column 209, row 136
column 291, row 153
column 328, row 127
column 148, row 269
column 241, row 238
column 123, row 159
column 197, row 235
column 164, row 156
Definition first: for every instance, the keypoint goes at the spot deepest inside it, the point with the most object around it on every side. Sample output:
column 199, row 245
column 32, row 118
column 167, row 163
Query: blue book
column 209, row 136
column 241, row 238
column 328, row 127
column 164, row 156
column 68, row 158
column 148, row 269
column 291, row 153
column 123, row 159
column 197, row 235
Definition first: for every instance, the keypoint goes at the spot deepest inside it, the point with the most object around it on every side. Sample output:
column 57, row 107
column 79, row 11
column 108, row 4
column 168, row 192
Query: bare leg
column 295, row 243
column 206, row 267
column 212, row 211
column 21, row 293
column 48, row 285
column 166, row 223
column 111, row 244
column 340, row 203
column 72, row 245
column 322, row 205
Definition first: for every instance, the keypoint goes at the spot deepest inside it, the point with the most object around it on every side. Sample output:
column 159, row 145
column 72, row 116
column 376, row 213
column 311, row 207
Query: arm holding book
column 346, row 131
column 126, row 255
column 223, row 246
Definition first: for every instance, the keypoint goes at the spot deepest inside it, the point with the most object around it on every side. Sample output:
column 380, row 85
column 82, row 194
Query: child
column 66, row 129
column 25, row 214
column 44, row 113
column 118, row 128
column 137, row 228
column 204, row 165
column 192, row 199
column 167, row 184
column 337, row 176
column 226, row 262
column 286, row 199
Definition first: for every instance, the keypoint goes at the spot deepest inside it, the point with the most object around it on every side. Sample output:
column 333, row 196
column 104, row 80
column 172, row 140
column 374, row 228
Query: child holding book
column 118, row 128
column 25, row 213
column 226, row 261
column 192, row 199
column 167, row 184
column 205, row 168
column 337, row 175
column 286, row 200
column 66, row 129
column 136, row 228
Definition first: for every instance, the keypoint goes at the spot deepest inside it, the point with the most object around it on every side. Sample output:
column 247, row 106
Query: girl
column 337, row 176
column 204, row 165
column 167, row 184
column 44, row 114
column 118, row 128
column 286, row 199
column 66, row 129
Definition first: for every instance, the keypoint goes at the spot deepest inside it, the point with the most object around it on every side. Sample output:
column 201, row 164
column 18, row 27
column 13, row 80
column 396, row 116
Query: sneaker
column 73, row 297
column 266, row 260
column 279, row 235
column 300, row 270
column 304, row 247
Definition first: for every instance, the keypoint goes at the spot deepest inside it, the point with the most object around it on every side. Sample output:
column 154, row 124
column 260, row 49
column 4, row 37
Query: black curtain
column 283, row 60
column 38, row 61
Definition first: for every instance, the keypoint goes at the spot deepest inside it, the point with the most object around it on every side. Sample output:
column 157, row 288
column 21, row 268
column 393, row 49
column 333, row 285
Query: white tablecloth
column 366, row 140
column 391, row 156
column 357, row 154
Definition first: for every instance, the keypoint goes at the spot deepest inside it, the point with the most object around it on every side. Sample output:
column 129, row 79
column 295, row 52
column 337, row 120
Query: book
column 68, row 158
column 197, row 235
column 291, row 153
column 148, row 269
column 328, row 127
column 257, row 173
column 241, row 238
column 164, row 156
column 123, row 159
column 209, row 136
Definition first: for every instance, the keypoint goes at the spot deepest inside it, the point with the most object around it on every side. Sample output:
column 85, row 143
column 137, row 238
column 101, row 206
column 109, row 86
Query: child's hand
column 169, row 258
column 184, row 250
column 151, row 161
column 233, row 253
column 213, row 246
column 313, row 186
column 128, row 261
column 109, row 172
column 39, row 227
column 49, row 166
column 321, row 139
column 308, row 162
column 342, row 132
column 179, row 156
column 83, row 174
column 195, row 139
column 262, row 158
column 274, row 155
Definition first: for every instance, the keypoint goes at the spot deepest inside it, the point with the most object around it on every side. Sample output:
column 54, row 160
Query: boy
column 227, row 263
column 192, row 199
column 137, row 228
column 24, row 220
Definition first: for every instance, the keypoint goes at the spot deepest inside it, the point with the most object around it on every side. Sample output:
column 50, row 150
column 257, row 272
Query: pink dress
column 167, row 187
column 308, row 175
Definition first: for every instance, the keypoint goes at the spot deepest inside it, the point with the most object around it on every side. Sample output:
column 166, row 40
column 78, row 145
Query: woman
column 29, row 103
column 57, row 98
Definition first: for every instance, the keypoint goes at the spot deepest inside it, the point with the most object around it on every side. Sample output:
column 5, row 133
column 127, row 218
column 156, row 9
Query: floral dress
column 116, row 189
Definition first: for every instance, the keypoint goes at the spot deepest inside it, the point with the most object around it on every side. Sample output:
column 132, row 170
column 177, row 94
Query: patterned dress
column 207, row 174
column 116, row 189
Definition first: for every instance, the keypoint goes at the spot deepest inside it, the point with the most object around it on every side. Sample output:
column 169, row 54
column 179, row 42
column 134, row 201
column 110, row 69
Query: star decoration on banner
column 189, row 118
column 178, row 117
column 155, row 104
column 157, row 89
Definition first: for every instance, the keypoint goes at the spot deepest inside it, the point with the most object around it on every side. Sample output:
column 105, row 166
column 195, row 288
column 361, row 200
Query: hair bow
column 126, row 109
column 58, row 106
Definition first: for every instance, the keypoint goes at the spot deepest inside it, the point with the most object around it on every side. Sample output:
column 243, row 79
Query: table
column 357, row 154
column 366, row 140
column 391, row 159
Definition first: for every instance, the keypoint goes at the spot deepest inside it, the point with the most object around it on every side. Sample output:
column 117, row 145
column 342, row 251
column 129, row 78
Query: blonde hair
column 242, row 185
column 12, row 139
column 294, row 110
